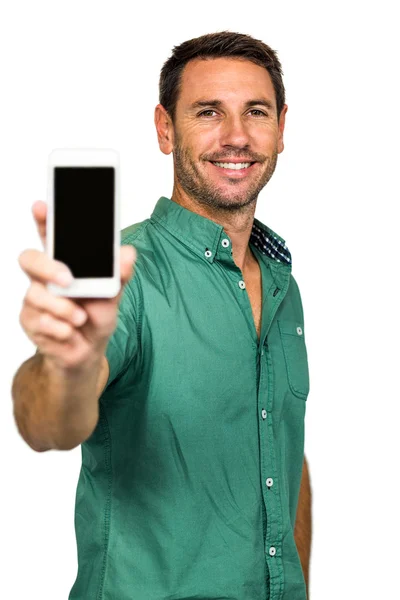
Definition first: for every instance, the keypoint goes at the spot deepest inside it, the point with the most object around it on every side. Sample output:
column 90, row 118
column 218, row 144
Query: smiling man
column 194, row 483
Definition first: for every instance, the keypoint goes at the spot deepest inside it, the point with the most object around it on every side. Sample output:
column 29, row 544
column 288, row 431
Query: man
column 194, row 482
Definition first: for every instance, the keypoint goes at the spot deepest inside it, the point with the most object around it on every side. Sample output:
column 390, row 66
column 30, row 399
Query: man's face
column 225, row 131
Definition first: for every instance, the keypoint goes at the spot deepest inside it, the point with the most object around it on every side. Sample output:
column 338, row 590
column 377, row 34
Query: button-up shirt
column 190, row 481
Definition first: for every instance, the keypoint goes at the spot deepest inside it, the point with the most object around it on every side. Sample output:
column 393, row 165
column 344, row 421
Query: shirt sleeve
column 123, row 344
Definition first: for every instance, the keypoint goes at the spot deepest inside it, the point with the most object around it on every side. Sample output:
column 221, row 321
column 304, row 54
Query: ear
column 281, row 127
column 165, row 129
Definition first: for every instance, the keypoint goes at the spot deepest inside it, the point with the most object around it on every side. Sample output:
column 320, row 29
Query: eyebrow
column 219, row 103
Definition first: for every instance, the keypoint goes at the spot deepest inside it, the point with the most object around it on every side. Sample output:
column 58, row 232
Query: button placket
column 270, row 494
column 270, row 489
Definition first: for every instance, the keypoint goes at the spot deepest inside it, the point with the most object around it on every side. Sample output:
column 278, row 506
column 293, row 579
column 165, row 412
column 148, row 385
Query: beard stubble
column 205, row 192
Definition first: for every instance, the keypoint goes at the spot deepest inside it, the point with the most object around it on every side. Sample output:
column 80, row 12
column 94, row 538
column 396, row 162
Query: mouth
column 233, row 169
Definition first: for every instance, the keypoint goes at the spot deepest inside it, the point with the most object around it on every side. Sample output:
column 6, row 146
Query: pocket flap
column 295, row 352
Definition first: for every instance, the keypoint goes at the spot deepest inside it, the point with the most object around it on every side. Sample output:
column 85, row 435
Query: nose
column 234, row 132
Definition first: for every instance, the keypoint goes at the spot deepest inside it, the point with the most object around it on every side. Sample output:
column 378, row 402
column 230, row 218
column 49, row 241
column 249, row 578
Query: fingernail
column 64, row 278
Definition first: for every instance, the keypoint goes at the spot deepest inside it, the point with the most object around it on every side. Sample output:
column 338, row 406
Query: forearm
column 54, row 407
column 303, row 529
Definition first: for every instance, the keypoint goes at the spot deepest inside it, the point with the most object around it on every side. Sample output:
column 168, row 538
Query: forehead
column 224, row 78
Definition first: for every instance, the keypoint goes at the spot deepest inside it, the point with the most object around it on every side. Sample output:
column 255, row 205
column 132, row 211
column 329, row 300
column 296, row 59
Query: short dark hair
column 224, row 44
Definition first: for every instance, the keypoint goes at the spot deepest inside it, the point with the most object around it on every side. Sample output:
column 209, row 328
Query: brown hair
column 217, row 45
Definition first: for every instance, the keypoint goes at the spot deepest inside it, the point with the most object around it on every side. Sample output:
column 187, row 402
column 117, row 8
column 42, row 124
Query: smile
column 232, row 165
column 233, row 169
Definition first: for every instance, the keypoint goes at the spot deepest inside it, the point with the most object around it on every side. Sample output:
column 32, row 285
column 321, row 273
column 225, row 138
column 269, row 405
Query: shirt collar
column 204, row 236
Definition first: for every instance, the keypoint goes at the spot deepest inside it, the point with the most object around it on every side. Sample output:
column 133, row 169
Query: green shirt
column 189, row 484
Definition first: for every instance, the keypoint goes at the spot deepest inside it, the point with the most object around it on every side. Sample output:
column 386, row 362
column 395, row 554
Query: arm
column 302, row 531
column 55, row 407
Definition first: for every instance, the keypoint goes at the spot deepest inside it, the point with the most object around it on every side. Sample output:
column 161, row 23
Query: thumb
column 128, row 257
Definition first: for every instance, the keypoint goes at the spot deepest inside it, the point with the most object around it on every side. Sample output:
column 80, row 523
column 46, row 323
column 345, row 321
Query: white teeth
column 232, row 165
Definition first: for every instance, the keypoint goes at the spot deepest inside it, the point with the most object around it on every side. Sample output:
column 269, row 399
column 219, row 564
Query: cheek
column 264, row 131
column 202, row 136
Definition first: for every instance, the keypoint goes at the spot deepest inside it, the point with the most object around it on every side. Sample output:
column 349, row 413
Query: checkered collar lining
column 270, row 245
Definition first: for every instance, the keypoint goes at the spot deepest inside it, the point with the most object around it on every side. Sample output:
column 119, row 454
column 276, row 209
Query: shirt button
column 299, row 330
column 264, row 413
column 207, row 253
column 225, row 243
column 242, row 284
column 270, row 482
column 272, row 551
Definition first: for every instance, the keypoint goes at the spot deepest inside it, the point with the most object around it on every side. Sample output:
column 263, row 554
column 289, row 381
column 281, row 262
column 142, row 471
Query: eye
column 255, row 110
column 209, row 110
column 262, row 114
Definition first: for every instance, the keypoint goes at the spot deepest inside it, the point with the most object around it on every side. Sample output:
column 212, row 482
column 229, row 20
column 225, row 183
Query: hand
column 70, row 333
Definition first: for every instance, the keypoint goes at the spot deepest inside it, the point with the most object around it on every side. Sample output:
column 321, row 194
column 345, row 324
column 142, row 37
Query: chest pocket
column 295, row 352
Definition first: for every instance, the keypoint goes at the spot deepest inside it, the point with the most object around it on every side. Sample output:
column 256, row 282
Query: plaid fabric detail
column 270, row 245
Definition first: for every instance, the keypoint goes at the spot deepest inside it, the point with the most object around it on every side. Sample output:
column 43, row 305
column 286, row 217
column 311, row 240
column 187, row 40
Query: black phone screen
column 84, row 220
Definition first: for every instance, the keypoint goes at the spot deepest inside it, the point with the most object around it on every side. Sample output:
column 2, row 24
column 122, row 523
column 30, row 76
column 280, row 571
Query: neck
column 236, row 224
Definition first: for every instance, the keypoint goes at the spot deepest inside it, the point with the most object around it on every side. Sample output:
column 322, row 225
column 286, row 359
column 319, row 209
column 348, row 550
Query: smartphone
column 83, row 230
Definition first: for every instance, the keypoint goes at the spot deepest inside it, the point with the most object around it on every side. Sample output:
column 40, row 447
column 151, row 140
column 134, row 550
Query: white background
column 85, row 74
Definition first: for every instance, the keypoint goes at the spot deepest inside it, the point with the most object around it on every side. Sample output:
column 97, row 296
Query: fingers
column 44, row 316
column 40, row 299
column 40, row 327
column 70, row 331
column 38, row 266
column 43, row 326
